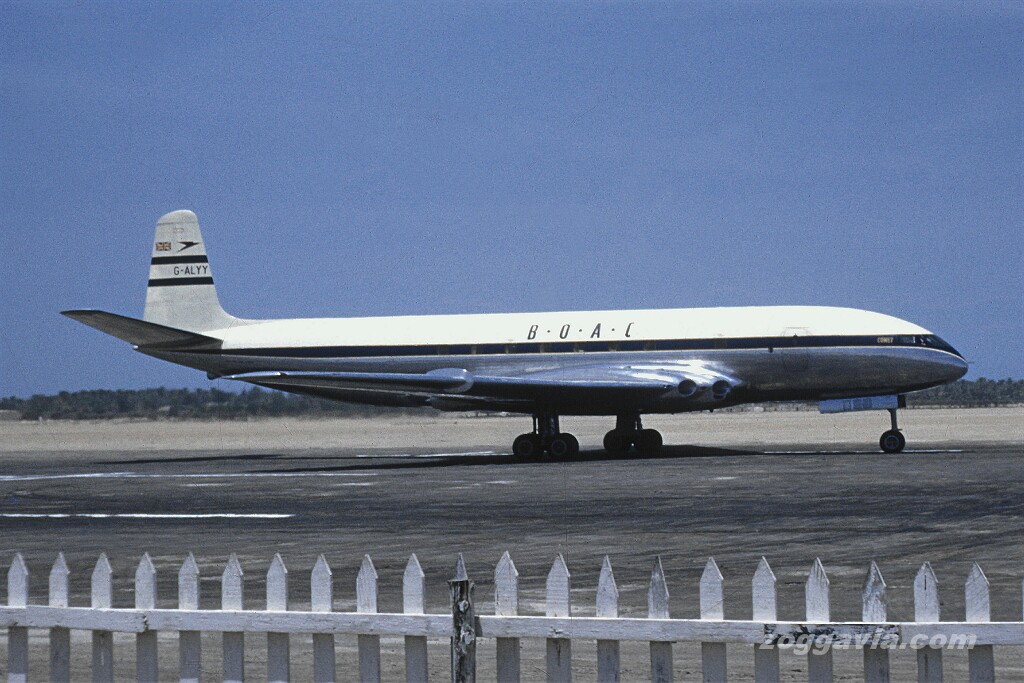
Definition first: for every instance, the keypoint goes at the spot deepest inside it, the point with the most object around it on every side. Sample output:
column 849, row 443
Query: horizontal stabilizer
column 142, row 333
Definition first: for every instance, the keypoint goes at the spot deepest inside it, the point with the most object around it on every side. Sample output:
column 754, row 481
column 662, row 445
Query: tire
column 892, row 441
column 527, row 447
column 563, row 446
column 616, row 442
column 649, row 441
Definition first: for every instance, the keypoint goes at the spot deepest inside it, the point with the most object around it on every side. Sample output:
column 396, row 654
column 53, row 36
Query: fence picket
column 321, row 584
column 764, row 598
column 189, row 647
column 980, row 659
column 278, row 644
column 17, row 636
column 60, row 638
column 463, row 641
column 712, row 607
column 366, row 603
column 146, row 663
column 102, row 641
column 926, row 609
column 818, row 611
column 414, row 602
column 657, row 608
column 608, row 663
column 506, row 604
column 559, row 604
column 876, row 659
column 232, row 597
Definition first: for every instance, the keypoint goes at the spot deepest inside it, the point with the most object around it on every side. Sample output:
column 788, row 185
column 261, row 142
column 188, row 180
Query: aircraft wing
column 589, row 382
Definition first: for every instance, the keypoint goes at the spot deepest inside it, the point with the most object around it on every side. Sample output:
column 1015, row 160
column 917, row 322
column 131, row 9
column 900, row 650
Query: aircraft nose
column 950, row 367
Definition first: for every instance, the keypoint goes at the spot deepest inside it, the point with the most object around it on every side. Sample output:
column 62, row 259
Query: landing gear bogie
column 546, row 440
column 629, row 432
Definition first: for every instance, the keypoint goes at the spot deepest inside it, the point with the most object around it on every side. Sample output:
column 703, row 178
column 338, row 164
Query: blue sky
column 364, row 159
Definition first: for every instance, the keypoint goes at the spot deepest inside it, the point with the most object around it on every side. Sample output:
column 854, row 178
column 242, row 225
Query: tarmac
column 789, row 486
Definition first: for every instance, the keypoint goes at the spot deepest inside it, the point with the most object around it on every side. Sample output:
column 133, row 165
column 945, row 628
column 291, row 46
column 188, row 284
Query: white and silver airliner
column 617, row 363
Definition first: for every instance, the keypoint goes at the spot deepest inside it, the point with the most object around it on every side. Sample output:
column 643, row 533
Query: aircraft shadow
column 596, row 455
column 198, row 458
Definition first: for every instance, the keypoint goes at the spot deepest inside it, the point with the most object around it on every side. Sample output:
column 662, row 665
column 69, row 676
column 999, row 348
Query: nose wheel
column 893, row 440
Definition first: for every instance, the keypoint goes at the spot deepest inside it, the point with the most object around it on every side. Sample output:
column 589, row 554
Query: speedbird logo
column 187, row 245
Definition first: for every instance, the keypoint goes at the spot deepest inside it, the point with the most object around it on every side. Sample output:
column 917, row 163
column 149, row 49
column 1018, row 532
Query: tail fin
column 181, row 292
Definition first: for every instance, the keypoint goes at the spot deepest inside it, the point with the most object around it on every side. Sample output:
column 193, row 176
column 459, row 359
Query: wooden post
column 926, row 609
column 506, row 604
column 278, row 644
column 876, row 658
column 657, row 608
column 366, row 603
column 102, row 641
column 146, row 664
column 463, row 625
column 17, row 636
column 608, row 661
column 189, row 643
column 414, row 602
column 818, row 611
column 764, row 595
column 60, row 638
column 559, row 650
column 321, row 583
column 980, row 661
column 712, row 607
column 232, row 598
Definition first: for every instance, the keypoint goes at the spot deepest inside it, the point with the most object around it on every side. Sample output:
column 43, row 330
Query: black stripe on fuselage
column 179, row 281
column 168, row 260
column 715, row 344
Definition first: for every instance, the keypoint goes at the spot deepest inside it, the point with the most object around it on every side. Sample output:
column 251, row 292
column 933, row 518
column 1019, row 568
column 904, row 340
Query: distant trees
column 255, row 402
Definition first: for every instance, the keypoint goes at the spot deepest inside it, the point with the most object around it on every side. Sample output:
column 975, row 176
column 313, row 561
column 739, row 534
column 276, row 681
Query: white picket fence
column 559, row 626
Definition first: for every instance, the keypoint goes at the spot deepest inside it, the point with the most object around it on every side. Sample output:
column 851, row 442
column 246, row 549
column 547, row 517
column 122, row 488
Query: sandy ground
column 736, row 486
column 438, row 430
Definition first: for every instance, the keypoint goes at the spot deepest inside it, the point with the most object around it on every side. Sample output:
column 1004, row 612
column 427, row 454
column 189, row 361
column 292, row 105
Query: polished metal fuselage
column 769, row 374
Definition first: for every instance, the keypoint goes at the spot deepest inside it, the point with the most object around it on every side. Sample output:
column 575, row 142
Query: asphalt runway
column 945, row 502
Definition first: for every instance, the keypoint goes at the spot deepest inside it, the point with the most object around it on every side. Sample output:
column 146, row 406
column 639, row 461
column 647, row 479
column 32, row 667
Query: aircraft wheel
column 892, row 441
column 616, row 441
column 527, row 447
column 649, row 441
column 563, row 446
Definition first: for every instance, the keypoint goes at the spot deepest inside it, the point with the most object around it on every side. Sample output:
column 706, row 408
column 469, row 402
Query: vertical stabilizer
column 181, row 292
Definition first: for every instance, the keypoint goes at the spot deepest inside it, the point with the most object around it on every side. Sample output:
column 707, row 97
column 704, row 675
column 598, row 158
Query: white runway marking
column 198, row 475
column 145, row 515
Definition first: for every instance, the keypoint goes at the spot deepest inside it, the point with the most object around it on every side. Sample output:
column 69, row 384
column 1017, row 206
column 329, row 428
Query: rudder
column 181, row 293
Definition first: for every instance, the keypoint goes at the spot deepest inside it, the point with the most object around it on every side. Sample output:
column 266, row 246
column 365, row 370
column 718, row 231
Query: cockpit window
column 934, row 342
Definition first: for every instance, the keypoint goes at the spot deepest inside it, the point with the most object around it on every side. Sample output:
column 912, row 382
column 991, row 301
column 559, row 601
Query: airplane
column 613, row 363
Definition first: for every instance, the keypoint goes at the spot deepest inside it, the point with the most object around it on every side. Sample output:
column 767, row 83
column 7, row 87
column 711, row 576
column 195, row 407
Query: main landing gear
column 893, row 440
column 629, row 432
column 546, row 439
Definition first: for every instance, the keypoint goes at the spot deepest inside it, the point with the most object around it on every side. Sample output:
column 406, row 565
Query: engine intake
column 688, row 388
column 720, row 389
